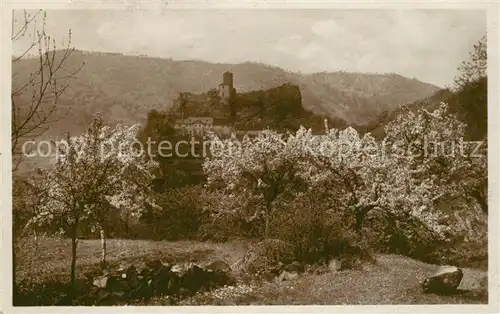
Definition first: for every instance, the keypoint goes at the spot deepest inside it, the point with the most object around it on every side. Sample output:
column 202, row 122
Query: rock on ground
column 334, row 265
column 159, row 279
column 294, row 267
column 219, row 265
column 444, row 281
column 288, row 276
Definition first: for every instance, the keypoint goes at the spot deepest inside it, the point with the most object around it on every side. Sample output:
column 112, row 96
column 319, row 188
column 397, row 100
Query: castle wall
column 201, row 125
column 227, row 78
column 225, row 93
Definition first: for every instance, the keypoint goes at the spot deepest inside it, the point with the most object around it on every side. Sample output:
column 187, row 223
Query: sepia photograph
column 263, row 157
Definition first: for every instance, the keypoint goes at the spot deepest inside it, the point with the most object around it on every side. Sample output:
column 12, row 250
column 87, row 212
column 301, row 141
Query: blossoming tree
column 91, row 174
column 412, row 175
column 258, row 173
column 431, row 146
column 395, row 176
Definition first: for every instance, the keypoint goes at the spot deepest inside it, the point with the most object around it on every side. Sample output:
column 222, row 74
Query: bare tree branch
column 32, row 118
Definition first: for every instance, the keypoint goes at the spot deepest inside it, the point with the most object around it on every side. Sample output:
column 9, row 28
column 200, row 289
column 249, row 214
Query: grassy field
column 52, row 258
column 392, row 279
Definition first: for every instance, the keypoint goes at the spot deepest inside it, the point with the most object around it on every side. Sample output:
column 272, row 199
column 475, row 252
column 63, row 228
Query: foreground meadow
column 392, row 279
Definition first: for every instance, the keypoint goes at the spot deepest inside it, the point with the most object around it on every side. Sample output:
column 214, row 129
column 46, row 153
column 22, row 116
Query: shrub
column 223, row 218
column 265, row 256
column 180, row 216
column 318, row 233
column 405, row 236
column 228, row 227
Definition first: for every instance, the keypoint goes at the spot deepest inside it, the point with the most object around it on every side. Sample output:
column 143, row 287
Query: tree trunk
column 74, row 242
column 126, row 228
column 266, row 230
column 360, row 215
column 266, row 220
column 481, row 199
column 103, row 249
column 484, row 205
column 360, row 218
column 36, row 239
column 14, row 265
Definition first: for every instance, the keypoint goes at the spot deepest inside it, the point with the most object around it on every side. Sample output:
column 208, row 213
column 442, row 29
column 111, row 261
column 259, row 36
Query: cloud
column 428, row 44
column 310, row 50
column 324, row 27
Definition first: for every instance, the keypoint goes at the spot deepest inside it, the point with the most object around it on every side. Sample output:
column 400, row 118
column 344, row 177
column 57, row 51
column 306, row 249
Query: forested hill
column 469, row 104
column 125, row 88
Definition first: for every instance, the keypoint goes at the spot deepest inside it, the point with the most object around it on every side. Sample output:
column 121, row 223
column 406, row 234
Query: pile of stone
column 291, row 271
column 159, row 279
column 274, row 259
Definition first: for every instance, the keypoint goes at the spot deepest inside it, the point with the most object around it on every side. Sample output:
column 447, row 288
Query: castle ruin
column 226, row 95
column 227, row 92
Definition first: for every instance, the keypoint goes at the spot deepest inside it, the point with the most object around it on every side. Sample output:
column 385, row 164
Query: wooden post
column 103, row 248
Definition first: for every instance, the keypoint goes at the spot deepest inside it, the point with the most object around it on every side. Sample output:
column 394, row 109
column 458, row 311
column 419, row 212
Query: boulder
column 123, row 280
column 102, row 295
column 101, row 281
column 122, row 267
column 217, row 278
column 193, row 278
column 334, row 265
column 280, row 266
column 308, row 268
column 154, row 264
column 142, row 269
column 160, row 279
column 268, row 276
column 173, row 286
column 219, row 265
column 118, row 283
column 131, row 273
column 93, row 274
column 445, row 281
column 298, row 265
column 118, row 294
column 311, row 268
column 143, row 290
column 288, row 276
column 180, row 269
column 293, row 267
column 320, row 269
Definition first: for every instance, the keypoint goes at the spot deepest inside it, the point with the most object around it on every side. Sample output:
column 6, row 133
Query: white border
column 493, row 18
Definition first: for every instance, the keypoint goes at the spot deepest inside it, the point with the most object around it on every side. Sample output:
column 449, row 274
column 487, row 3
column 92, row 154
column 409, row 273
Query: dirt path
column 393, row 280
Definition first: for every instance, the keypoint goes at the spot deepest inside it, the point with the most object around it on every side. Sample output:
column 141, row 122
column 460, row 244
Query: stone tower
column 227, row 94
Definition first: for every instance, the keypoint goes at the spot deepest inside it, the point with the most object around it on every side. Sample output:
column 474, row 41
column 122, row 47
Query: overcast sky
column 427, row 45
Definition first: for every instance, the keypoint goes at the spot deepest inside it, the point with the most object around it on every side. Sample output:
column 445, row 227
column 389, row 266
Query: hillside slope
column 125, row 88
column 469, row 104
